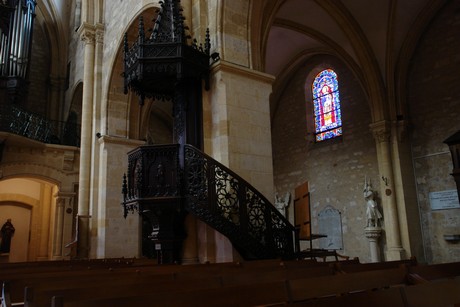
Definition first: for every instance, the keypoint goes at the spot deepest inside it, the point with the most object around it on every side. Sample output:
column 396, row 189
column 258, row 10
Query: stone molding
column 107, row 139
column 242, row 71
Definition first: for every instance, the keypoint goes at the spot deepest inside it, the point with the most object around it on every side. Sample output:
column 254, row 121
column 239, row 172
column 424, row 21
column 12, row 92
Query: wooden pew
column 311, row 288
column 226, row 276
column 60, row 275
column 424, row 273
column 247, row 295
column 435, row 293
column 391, row 297
column 258, row 292
column 19, row 279
column 438, row 292
column 68, row 264
column 42, row 296
column 277, row 274
column 245, row 273
column 59, row 278
column 273, row 283
column 18, row 283
column 351, row 267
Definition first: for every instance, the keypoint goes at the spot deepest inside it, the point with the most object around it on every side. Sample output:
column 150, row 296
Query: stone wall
column 434, row 103
column 240, row 135
column 39, row 73
column 335, row 169
column 113, row 235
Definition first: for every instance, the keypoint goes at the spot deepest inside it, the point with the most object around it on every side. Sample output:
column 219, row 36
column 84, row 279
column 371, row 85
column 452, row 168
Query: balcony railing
column 34, row 126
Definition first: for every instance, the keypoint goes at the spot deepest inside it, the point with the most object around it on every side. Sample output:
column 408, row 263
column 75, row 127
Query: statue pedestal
column 373, row 234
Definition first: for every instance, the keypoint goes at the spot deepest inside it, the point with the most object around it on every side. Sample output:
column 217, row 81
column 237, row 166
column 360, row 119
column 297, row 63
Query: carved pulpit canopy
column 157, row 61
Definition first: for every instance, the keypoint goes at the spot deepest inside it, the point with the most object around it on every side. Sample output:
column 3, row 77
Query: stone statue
column 372, row 211
column 282, row 203
column 7, row 232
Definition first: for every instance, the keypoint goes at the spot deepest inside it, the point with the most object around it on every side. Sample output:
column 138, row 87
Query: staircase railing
column 232, row 206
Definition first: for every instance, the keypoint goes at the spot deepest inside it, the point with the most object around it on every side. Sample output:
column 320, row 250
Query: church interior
column 216, row 132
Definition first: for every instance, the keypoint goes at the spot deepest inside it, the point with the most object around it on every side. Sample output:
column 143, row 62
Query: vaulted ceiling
column 365, row 34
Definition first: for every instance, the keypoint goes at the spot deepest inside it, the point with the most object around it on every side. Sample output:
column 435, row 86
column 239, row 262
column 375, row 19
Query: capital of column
column 100, row 30
column 381, row 131
column 87, row 33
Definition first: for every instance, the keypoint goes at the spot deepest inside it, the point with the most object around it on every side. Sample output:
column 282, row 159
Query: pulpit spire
column 169, row 25
column 154, row 64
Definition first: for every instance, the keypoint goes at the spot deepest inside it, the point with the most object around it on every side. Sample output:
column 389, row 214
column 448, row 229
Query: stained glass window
column 326, row 102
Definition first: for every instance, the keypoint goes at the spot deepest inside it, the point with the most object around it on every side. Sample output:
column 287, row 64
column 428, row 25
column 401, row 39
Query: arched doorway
column 38, row 214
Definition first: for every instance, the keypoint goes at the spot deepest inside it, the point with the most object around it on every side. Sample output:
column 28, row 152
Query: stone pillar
column 237, row 123
column 63, row 216
column 46, row 194
column 373, row 234
column 95, row 148
column 237, row 131
column 381, row 131
column 115, row 236
column 87, row 35
column 58, row 230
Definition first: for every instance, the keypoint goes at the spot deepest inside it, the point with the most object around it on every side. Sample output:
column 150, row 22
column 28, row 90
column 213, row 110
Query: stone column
column 44, row 234
column 96, row 128
column 62, row 229
column 87, row 35
column 381, row 131
column 58, row 230
column 373, row 234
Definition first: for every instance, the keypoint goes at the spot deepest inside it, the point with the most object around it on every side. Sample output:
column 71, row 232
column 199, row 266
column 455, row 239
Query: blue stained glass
column 326, row 101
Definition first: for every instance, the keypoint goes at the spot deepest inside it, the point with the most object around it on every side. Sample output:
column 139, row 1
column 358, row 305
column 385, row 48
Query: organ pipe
column 16, row 39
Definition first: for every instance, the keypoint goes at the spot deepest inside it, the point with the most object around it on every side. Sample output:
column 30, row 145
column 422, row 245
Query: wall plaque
column 444, row 200
column 330, row 224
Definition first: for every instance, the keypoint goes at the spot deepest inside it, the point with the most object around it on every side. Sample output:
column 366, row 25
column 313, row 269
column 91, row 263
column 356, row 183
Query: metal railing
column 235, row 208
column 34, row 126
column 211, row 192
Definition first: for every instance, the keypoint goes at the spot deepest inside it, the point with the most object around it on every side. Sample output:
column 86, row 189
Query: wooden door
column 302, row 211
